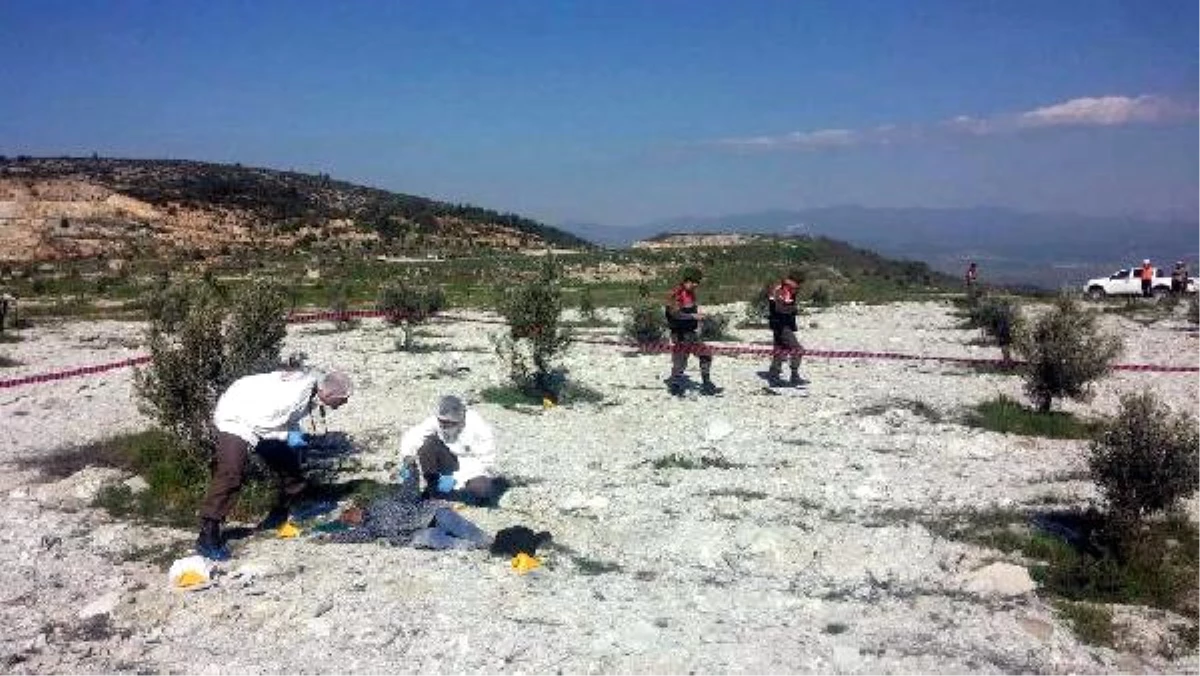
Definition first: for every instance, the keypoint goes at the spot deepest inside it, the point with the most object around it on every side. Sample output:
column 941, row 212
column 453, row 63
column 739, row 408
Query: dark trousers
column 229, row 473
column 683, row 344
column 436, row 459
column 1146, row 292
column 784, row 339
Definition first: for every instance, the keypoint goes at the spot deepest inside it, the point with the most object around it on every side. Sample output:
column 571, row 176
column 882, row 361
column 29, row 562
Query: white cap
column 1145, row 261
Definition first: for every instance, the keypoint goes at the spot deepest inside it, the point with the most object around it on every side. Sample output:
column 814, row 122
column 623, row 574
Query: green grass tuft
column 511, row 397
column 739, row 493
column 1155, row 567
column 588, row 566
column 1093, row 624
column 1011, row 417
column 680, row 461
column 177, row 480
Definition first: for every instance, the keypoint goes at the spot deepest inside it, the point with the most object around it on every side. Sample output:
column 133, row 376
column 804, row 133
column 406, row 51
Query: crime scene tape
column 729, row 350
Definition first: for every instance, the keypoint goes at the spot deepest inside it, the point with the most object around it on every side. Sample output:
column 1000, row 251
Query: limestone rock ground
column 800, row 548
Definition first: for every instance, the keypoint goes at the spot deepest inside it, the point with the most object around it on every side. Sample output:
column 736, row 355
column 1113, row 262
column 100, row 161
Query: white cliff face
column 800, row 544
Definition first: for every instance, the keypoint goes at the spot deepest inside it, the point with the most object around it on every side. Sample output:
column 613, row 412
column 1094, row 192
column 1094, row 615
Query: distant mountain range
column 1045, row 250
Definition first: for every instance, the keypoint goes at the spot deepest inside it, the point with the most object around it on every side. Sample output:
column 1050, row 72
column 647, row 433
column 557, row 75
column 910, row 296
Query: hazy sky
column 623, row 112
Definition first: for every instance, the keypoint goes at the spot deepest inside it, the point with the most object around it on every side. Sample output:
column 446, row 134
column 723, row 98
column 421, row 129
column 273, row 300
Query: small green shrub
column 587, row 305
column 195, row 355
column 821, row 295
column 714, row 327
column 1064, row 352
column 1145, row 459
column 176, row 477
column 645, row 324
column 1092, row 623
column 1157, row 568
column 339, row 304
column 758, row 308
column 999, row 319
column 407, row 306
column 535, row 337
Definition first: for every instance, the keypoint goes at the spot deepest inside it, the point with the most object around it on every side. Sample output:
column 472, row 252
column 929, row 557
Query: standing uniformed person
column 782, row 320
column 683, row 318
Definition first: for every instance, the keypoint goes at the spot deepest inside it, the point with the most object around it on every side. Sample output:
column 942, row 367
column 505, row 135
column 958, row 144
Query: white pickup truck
column 1128, row 282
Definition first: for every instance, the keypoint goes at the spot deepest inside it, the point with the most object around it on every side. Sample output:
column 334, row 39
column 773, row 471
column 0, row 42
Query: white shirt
column 473, row 444
column 266, row 405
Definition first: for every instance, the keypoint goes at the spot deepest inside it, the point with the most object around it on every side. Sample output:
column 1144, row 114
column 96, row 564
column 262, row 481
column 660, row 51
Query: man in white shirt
column 456, row 450
column 262, row 413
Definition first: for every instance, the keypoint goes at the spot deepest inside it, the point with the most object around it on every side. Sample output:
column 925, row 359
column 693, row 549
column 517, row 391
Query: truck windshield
column 1120, row 274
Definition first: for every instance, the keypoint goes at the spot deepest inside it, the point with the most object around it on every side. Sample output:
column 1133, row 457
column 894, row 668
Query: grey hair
column 335, row 385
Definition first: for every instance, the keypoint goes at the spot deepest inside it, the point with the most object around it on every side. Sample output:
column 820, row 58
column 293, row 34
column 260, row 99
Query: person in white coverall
column 456, row 450
column 262, row 413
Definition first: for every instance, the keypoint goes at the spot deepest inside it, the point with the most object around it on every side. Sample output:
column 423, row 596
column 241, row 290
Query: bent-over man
column 262, row 413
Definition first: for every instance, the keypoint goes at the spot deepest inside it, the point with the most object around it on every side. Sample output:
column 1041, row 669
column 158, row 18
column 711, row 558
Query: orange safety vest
column 1147, row 273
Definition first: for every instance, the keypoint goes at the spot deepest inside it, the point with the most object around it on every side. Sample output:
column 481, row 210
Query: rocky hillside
column 65, row 208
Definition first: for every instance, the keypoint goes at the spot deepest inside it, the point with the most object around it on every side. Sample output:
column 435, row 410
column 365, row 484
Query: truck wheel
column 1095, row 293
column 1160, row 292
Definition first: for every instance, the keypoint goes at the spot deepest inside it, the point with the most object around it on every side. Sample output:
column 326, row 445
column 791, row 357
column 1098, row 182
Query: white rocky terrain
column 806, row 551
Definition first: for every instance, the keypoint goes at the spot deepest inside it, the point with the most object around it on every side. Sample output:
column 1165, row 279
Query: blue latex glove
column 445, row 483
column 295, row 439
column 403, row 475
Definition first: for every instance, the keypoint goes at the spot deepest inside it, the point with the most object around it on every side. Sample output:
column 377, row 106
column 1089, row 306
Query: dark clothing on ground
column 403, row 518
column 229, row 473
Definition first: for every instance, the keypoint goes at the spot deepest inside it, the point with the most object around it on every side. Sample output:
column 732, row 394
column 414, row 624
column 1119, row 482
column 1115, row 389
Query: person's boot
column 275, row 518
column 796, row 380
column 210, row 544
column 773, row 379
column 675, row 386
column 708, row 389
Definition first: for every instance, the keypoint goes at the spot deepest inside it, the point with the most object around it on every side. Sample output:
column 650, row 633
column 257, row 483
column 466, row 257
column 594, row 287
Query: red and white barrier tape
column 656, row 347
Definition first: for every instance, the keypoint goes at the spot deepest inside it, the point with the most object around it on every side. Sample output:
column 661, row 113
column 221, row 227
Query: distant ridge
column 1041, row 249
column 57, row 208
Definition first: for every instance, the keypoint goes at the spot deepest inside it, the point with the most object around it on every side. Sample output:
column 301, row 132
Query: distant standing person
column 1179, row 278
column 683, row 318
column 5, row 300
column 262, row 413
column 782, row 320
column 1147, row 275
column 971, row 276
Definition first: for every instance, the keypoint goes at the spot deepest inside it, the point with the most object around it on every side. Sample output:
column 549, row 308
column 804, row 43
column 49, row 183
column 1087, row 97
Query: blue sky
column 623, row 112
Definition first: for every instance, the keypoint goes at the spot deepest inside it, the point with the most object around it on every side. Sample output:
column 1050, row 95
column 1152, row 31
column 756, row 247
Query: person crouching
column 456, row 450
